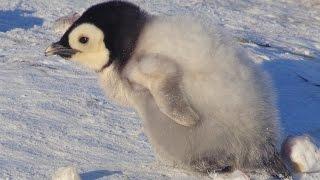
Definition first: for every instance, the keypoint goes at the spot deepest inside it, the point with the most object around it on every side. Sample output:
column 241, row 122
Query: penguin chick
column 204, row 104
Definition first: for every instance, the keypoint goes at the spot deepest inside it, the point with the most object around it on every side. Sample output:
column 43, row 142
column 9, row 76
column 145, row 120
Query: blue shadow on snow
column 298, row 99
column 93, row 175
column 18, row 19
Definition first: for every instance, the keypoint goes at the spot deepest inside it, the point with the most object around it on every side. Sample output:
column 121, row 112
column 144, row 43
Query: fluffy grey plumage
column 232, row 97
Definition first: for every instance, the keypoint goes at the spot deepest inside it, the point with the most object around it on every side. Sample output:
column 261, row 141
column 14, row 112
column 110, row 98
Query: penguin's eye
column 83, row 40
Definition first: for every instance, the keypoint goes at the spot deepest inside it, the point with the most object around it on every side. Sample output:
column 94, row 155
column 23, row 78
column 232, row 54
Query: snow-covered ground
column 53, row 114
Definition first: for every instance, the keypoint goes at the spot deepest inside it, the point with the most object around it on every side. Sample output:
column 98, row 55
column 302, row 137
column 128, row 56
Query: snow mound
column 66, row 173
column 303, row 154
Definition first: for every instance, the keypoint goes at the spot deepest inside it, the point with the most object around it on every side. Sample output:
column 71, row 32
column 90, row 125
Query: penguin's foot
column 210, row 165
column 236, row 175
column 276, row 167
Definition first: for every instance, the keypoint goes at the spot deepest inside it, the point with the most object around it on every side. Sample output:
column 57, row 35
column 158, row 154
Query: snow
column 53, row 114
column 66, row 173
column 303, row 153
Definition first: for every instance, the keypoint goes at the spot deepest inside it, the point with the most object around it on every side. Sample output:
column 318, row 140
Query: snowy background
column 53, row 114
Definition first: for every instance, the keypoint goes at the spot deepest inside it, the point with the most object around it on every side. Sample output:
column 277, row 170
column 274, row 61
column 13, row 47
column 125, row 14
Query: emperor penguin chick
column 204, row 104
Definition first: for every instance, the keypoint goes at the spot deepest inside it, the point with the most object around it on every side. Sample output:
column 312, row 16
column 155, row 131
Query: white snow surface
column 66, row 173
column 53, row 113
column 305, row 154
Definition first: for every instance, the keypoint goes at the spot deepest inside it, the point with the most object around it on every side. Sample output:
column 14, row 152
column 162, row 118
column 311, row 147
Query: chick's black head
column 105, row 34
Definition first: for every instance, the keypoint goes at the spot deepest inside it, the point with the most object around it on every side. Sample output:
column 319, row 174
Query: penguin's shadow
column 93, row 175
column 297, row 86
column 18, row 19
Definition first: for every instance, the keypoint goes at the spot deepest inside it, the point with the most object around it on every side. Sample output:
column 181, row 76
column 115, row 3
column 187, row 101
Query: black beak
column 58, row 49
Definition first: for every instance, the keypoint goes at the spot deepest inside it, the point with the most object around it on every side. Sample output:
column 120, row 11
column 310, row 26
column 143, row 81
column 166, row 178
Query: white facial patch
column 89, row 41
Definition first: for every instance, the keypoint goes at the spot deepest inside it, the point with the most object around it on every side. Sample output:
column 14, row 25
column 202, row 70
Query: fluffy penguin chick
column 204, row 104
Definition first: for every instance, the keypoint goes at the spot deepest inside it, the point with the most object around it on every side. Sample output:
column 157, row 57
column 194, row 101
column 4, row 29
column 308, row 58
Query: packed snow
column 66, row 173
column 53, row 113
